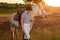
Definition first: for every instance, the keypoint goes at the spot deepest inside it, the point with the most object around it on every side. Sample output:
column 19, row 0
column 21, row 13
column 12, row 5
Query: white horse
column 14, row 25
column 35, row 10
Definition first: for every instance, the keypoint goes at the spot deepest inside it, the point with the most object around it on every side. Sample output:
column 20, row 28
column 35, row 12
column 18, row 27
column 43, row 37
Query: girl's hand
column 21, row 29
column 31, row 20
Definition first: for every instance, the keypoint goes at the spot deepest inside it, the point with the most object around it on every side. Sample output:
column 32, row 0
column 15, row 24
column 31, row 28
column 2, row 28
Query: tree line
column 14, row 6
column 11, row 6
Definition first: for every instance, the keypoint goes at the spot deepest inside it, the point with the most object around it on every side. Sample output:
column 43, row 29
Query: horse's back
column 12, row 21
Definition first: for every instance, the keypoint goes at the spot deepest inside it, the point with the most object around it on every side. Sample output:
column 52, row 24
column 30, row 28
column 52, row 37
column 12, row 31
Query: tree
column 27, row 1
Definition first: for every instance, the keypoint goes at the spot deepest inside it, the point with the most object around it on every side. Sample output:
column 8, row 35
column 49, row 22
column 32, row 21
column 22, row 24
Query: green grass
column 7, row 11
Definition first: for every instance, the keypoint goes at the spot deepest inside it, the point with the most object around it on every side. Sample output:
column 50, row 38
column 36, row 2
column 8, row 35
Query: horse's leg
column 32, row 22
column 16, row 33
column 32, row 19
column 13, row 34
column 12, row 31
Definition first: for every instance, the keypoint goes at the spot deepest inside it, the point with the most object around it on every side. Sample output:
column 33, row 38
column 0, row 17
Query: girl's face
column 28, row 11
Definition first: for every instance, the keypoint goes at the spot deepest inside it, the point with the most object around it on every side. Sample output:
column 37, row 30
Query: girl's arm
column 22, row 23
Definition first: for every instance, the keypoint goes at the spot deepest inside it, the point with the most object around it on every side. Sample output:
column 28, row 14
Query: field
column 43, row 28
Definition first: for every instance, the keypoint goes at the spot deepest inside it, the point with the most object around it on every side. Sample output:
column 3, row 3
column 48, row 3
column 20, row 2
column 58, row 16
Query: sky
column 48, row 2
column 53, row 2
column 12, row 1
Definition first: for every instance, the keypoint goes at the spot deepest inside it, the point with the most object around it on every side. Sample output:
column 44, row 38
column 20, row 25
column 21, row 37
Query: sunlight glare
column 52, row 2
column 12, row 1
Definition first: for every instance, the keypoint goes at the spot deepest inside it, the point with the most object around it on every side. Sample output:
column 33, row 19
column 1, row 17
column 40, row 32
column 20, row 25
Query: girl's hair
column 28, row 8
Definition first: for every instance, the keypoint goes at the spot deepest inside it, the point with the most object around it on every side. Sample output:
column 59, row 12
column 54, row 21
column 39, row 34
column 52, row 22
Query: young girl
column 25, row 22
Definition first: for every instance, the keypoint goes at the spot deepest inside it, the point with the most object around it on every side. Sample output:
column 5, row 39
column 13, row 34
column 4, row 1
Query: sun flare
column 55, row 3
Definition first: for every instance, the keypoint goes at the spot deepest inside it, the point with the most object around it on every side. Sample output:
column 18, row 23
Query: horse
column 14, row 25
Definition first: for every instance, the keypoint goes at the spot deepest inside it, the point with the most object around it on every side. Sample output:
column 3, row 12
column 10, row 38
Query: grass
column 2, row 15
column 43, row 29
column 7, row 11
